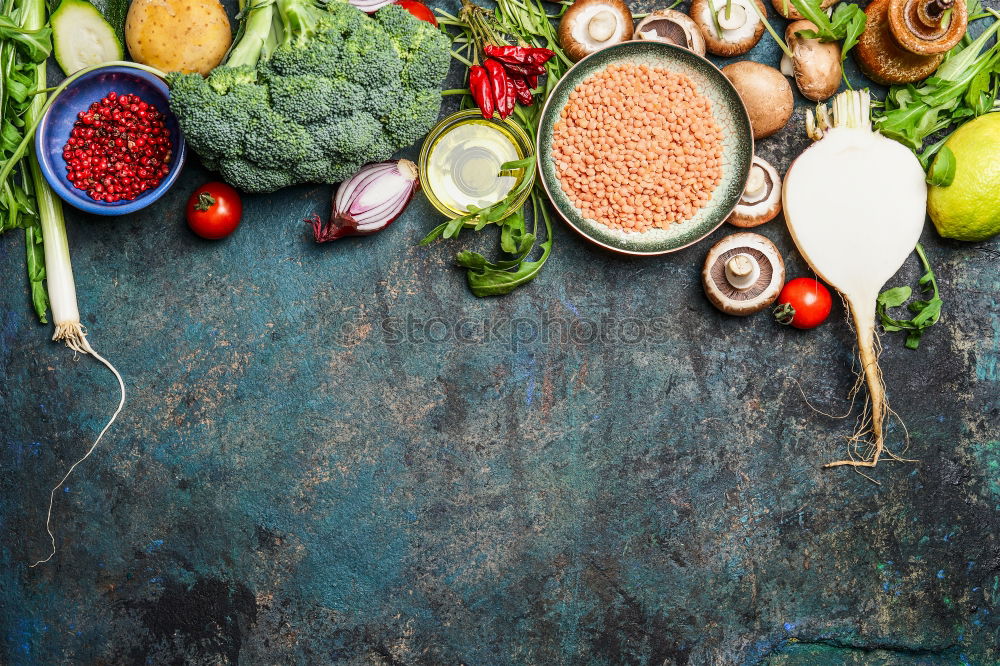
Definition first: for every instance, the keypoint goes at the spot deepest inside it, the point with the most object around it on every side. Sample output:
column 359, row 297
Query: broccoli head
column 302, row 98
column 347, row 136
column 311, row 92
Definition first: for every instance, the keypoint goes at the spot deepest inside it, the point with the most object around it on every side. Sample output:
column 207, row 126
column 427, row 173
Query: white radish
column 855, row 204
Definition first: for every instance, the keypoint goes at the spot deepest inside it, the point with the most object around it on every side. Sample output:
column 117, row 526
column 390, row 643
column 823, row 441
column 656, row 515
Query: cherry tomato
column 214, row 210
column 803, row 303
column 419, row 10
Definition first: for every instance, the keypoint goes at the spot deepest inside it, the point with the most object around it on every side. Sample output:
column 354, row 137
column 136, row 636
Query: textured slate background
column 297, row 478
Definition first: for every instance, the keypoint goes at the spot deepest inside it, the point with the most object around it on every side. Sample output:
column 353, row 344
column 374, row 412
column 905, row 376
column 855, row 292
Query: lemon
column 969, row 208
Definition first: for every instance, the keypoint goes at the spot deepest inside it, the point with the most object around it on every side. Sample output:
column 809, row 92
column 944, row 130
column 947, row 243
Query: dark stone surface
column 299, row 478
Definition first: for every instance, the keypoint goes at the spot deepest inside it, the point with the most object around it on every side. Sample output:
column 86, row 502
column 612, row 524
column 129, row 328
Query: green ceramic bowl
column 730, row 115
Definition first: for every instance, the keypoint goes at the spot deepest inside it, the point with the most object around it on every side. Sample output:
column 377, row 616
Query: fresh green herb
column 926, row 312
column 963, row 87
column 846, row 24
column 25, row 43
column 495, row 279
column 942, row 171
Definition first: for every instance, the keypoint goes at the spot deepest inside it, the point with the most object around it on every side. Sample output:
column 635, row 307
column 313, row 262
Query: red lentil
column 636, row 147
column 118, row 148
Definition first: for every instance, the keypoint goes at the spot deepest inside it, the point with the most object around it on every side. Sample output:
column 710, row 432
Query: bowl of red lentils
column 109, row 144
column 644, row 148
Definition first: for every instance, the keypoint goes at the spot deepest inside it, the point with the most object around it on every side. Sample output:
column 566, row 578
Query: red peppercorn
column 117, row 149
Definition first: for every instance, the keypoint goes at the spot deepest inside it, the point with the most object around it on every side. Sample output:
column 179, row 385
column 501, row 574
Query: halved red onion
column 369, row 201
column 370, row 6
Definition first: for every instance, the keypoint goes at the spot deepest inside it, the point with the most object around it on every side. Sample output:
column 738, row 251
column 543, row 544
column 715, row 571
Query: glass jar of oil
column 460, row 162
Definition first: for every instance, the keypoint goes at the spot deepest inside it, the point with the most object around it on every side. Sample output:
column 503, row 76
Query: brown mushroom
column 814, row 64
column 741, row 27
column 591, row 25
column 743, row 274
column 928, row 27
column 766, row 94
column 880, row 52
column 672, row 27
column 788, row 10
column 761, row 199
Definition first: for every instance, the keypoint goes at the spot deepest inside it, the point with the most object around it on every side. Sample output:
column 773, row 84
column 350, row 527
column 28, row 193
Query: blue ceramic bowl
column 57, row 123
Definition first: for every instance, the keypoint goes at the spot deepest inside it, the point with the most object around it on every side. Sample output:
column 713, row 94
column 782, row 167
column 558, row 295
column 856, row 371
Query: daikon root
column 855, row 204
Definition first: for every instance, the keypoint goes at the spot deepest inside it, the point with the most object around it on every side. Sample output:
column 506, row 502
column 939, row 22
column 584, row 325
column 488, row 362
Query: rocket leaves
column 926, row 312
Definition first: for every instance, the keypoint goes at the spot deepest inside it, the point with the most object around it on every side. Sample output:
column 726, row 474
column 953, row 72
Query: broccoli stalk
column 255, row 33
column 272, row 23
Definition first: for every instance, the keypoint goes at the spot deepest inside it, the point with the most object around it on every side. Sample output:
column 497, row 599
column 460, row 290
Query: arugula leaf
column 34, row 44
column 489, row 278
column 964, row 86
column 926, row 312
column 855, row 21
column 847, row 23
column 893, row 298
column 942, row 171
column 494, row 281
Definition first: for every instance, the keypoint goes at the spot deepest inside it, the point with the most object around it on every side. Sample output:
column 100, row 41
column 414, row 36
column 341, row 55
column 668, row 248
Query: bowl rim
column 61, row 188
column 446, row 123
column 539, row 134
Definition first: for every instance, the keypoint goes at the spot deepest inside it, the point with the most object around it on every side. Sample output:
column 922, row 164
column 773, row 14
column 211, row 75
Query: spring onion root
column 77, row 340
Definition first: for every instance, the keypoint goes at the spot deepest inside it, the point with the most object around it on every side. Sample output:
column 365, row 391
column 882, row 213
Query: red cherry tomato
column 419, row 10
column 214, row 210
column 803, row 303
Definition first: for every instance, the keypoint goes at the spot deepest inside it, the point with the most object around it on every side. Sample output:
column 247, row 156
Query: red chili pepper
column 524, row 68
column 482, row 94
column 503, row 92
column 519, row 55
column 522, row 91
column 532, row 81
column 540, row 56
column 511, row 98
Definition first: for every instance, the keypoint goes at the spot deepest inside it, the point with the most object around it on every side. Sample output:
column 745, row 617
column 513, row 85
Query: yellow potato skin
column 178, row 35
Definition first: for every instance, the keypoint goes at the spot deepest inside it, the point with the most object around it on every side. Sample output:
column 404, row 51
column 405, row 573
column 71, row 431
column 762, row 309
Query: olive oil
column 463, row 165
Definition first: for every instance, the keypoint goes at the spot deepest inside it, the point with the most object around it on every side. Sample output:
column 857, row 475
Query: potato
column 178, row 35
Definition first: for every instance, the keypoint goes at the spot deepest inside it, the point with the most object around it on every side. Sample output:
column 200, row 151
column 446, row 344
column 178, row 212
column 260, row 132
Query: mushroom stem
column 602, row 26
column 732, row 18
column 786, row 66
column 742, row 271
column 756, row 182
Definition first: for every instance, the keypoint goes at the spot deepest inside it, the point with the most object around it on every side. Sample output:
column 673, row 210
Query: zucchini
column 81, row 37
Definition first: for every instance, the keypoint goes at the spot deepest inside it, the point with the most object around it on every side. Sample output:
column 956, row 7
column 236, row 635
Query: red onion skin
column 343, row 224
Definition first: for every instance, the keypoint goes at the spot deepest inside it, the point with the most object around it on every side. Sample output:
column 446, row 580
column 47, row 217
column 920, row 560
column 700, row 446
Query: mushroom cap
column 731, row 42
column 817, row 65
column 752, row 211
column 672, row 27
column 787, row 10
column 574, row 36
column 765, row 288
column 881, row 58
column 766, row 94
column 920, row 32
